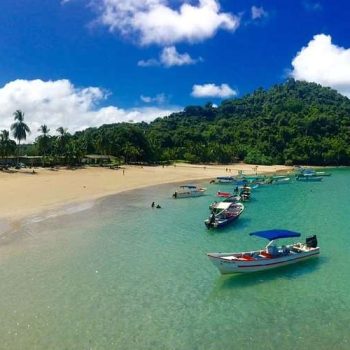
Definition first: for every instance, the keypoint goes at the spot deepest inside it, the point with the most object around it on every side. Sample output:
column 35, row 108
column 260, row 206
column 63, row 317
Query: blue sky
column 80, row 63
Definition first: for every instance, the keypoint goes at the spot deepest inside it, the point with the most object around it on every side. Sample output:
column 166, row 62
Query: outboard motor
column 212, row 219
column 311, row 241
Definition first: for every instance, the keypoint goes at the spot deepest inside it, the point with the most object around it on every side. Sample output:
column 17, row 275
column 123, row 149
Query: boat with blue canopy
column 275, row 234
column 271, row 256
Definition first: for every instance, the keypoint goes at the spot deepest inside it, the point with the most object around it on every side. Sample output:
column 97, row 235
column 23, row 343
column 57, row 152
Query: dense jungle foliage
column 292, row 123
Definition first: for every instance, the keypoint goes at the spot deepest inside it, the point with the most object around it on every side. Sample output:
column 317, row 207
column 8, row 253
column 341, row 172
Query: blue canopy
column 275, row 234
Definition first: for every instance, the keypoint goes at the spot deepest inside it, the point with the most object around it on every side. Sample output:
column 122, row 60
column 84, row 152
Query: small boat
column 309, row 178
column 270, row 257
column 231, row 199
column 322, row 173
column 186, row 191
column 311, row 172
column 225, row 179
column 252, row 178
column 225, row 194
column 245, row 193
column 281, row 180
column 223, row 214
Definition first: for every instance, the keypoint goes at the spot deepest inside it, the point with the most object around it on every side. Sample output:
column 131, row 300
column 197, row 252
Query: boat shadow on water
column 289, row 272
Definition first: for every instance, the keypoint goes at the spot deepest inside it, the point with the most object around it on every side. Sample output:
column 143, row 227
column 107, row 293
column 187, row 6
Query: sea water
column 121, row 275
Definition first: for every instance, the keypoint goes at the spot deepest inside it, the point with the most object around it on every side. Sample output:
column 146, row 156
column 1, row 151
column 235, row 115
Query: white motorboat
column 231, row 199
column 223, row 214
column 186, row 191
column 270, row 257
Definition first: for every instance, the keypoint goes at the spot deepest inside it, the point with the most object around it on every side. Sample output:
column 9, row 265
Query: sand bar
column 24, row 193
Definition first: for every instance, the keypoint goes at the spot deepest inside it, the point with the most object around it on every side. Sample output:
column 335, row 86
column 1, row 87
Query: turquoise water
column 124, row 276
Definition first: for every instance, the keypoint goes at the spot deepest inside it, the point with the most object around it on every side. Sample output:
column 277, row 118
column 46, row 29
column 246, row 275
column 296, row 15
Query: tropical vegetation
column 291, row 123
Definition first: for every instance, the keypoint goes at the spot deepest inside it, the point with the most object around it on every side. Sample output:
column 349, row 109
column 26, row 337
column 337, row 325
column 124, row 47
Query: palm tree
column 103, row 142
column 19, row 129
column 62, row 141
column 43, row 140
column 6, row 145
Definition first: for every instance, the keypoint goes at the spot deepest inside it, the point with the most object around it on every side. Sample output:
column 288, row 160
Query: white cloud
column 156, row 22
column 159, row 99
column 60, row 103
column 258, row 12
column 170, row 57
column 212, row 90
column 324, row 63
column 152, row 62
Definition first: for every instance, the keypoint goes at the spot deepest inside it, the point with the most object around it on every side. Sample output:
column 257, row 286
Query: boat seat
column 266, row 255
column 229, row 257
column 284, row 250
column 248, row 257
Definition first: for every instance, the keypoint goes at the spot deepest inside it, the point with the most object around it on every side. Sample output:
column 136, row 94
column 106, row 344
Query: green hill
column 292, row 123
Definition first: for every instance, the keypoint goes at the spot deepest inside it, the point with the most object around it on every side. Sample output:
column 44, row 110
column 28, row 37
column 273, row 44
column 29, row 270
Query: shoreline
column 26, row 195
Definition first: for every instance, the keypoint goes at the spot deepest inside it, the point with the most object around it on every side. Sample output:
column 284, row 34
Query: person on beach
column 158, row 206
column 153, row 204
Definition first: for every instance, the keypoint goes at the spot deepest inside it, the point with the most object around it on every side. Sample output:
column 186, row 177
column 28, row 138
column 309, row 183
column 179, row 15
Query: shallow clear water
column 121, row 275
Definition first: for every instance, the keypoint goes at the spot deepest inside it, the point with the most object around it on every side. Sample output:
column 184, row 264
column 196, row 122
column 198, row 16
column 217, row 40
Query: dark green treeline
column 292, row 123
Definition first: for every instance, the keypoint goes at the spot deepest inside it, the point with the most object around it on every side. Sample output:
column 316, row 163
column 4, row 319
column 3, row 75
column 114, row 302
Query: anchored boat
column 226, row 194
column 225, row 179
column 223, row 214
column 186, row 191
column 270, row 257
column 311, row 172
column 231, row 199
column 309, row 178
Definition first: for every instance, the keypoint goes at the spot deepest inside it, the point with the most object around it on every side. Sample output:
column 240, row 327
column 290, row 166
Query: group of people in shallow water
column 153, row 205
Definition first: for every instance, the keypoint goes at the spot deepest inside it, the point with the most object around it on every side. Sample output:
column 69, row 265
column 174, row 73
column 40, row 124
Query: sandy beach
column 25, row 193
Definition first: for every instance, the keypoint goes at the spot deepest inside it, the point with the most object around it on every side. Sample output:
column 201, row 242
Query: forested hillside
column 292, row 123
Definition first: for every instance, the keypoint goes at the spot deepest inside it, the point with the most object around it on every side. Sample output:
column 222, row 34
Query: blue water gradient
column 122, row 275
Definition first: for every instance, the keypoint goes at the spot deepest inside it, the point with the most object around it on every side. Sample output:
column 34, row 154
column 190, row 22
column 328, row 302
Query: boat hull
column 226, row 266
column 225, row 179
column 225, row 194
column 322, row 173
column 309, row 178
column 188, row 195
column 221, row 223
column 218, row 221
column 281, row 181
